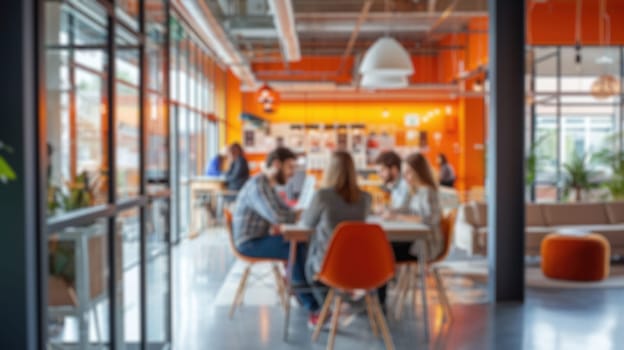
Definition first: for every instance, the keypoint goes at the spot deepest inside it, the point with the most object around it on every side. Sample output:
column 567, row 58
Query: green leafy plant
column 6, row 171
column 615, row 160
column 79, row 193
column 577, row 175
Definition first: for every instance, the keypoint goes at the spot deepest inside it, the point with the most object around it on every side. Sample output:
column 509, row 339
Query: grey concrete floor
column 549, row 319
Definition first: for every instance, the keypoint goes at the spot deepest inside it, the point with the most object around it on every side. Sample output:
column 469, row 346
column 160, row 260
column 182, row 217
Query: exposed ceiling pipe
column 351, row 94
column 354, row 34
column 443, row 17
column 208, row 27
column 284, row 19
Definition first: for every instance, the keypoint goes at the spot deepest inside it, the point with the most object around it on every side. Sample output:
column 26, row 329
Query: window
column 569, row 120
column 197, row 136
column 94, row 171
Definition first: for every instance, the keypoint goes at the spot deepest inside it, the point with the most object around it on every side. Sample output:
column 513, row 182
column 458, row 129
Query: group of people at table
column 260, row 211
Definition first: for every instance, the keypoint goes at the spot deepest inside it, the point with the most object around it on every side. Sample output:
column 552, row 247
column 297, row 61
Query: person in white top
column 389, row 170
column 423, row 205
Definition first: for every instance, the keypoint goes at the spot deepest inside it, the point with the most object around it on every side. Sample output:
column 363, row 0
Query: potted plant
column 578, row 176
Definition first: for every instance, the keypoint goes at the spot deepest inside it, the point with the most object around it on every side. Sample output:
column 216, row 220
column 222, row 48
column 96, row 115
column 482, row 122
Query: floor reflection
column 550, row 319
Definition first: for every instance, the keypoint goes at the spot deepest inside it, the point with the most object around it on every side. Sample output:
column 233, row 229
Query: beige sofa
column 542, row 219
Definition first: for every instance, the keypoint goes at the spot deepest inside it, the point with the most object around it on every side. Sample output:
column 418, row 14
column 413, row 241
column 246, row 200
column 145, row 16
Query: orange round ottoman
column 575, row 257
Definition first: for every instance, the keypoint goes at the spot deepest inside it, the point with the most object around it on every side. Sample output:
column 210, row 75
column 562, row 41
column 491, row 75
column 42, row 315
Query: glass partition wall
column 194, row 128
column 577, row 116
column 107, row 124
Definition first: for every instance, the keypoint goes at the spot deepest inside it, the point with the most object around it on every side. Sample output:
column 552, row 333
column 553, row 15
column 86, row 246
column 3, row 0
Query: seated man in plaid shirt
column 259, row 212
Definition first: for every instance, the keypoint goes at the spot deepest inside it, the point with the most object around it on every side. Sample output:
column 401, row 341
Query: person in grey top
column 423, row 206
column 339, row 199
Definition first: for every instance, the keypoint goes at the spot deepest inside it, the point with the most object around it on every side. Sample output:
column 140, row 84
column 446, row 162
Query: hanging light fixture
column 376, row 81
column 387, row 57
column 605, row 86
column 268, row 98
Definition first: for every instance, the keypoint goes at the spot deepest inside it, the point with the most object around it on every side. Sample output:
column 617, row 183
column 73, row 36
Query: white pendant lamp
column 376, row 81
column 387, row 57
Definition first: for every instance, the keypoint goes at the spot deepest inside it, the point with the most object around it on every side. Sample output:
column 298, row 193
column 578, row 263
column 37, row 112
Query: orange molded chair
column 447, row 226
column 251, row 261
column 359, row 256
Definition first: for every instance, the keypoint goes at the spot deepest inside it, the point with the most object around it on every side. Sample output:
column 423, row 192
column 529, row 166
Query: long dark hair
column 421, row 166
column 341, row 176
column 237, row 150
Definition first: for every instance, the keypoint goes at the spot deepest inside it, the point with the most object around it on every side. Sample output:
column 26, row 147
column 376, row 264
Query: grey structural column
column 505, row 161
column 20, row 220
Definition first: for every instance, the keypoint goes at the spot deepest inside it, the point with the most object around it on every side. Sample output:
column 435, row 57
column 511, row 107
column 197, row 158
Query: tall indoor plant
column 578, row 175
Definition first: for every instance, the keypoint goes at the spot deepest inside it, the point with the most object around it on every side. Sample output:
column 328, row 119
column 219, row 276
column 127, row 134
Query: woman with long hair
column 339, row 199
column 422, row 206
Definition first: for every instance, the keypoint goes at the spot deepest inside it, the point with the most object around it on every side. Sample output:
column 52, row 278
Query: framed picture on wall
column 249, row 138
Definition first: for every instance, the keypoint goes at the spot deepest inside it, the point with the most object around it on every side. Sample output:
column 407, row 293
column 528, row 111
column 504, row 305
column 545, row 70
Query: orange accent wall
column 221, row 105
column 554, row 22
column 234, row 104
column 425, row 69
column 449, row 60
column 477, row 41
column 326, row 68
column 472, row 125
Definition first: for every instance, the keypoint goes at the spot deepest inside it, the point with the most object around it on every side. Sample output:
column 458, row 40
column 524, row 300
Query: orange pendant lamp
column 268, row 98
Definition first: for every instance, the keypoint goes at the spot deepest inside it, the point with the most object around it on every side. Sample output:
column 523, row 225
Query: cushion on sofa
column 575, row 214
column 534, row 215
column 615, row 210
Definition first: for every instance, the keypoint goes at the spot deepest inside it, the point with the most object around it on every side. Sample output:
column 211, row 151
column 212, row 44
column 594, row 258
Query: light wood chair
column 251, row 262
column 406, row 278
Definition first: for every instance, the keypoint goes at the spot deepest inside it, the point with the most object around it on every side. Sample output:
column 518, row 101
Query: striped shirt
column 258, row 206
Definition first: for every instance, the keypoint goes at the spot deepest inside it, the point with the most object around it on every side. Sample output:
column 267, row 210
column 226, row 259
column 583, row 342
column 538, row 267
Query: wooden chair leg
column 334, row 323
column 281, row 289
column 381, row 321
column 370, row 309
column 399, row 287
column 240, row 291
column 404, row 291
column 323, row 315
column 448, row 312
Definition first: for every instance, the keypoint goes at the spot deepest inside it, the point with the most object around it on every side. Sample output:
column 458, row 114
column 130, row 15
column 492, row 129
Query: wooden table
column 198, row 186
column 396, row 231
